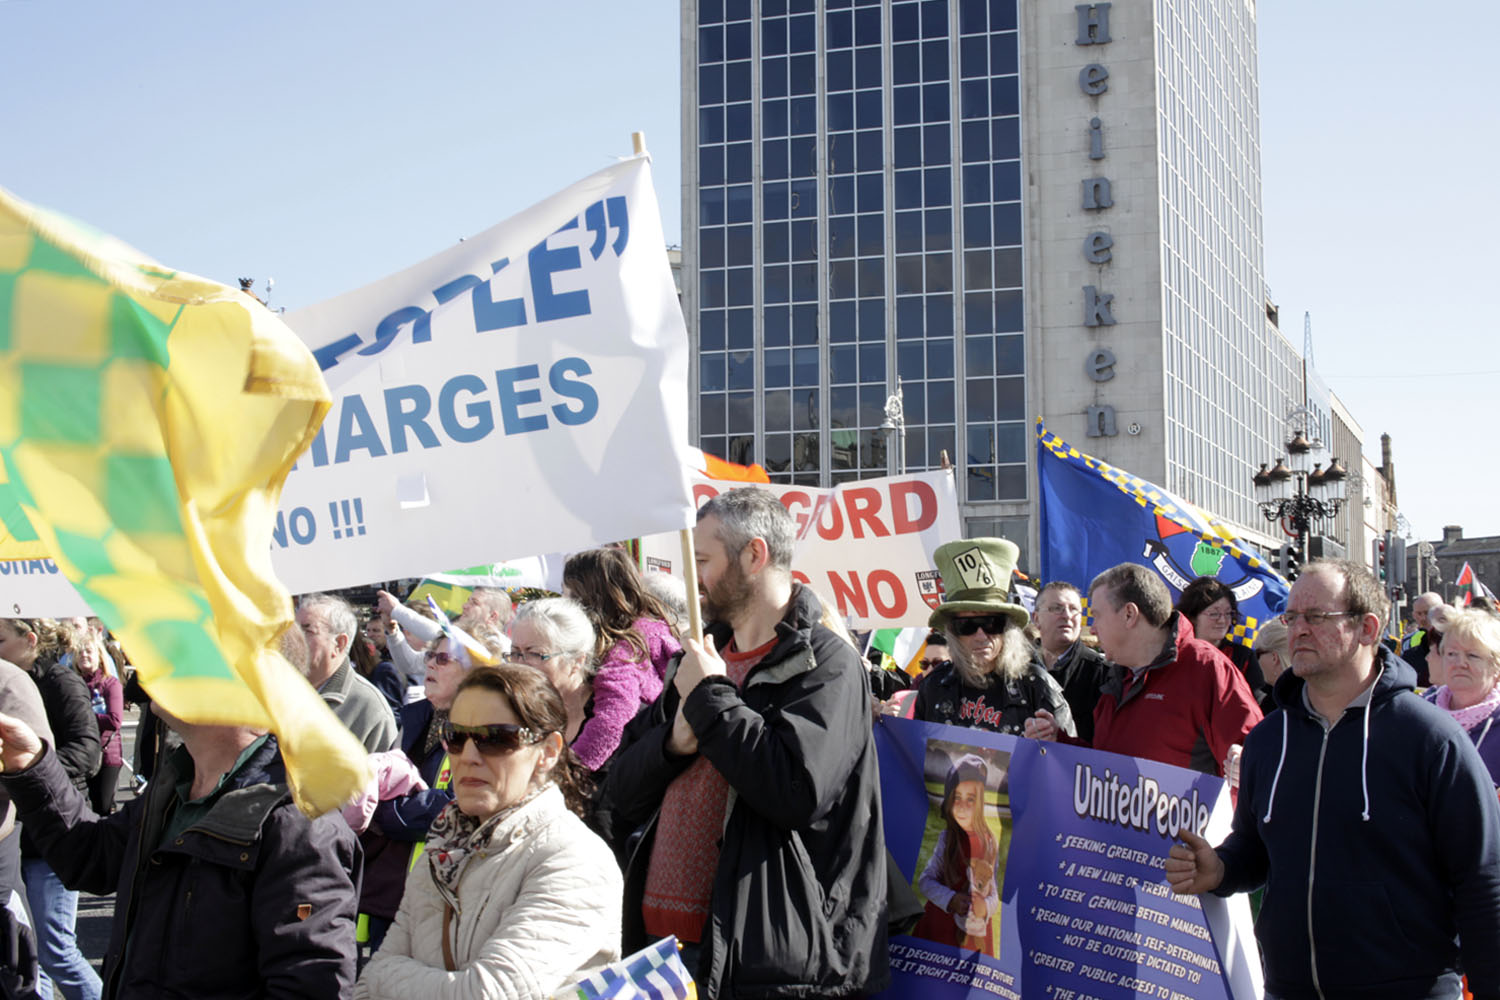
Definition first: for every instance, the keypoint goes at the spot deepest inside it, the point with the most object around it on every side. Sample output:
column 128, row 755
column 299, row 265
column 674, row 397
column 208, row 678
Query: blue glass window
column 1003, row 54
column 979, row 356
column 1005, row 95
column 741, row 286
column 872, row 362
column 940, row 319
column 804, row 198
column 773, row 77
column 909, row 368
column 906, row 147
column 906, row 105
column 935, row 102
column 935, row 60
column 803, row 33
column 908, row 189
column 711, row 371
column 741, row 329
column 804, row 75
column 939, row 439
column 841, row 236
column 804, row 115
column 737, row 123
column 940, row 231
column 979, row 405
column 804, row 152
column 974, row 99
column 978, row 270
column 777, row 280
column 843, row 405
column 905, row 22
column 740, row 202
column 843, row 364
column 909, row 232
column 775, row 244
column 737, row 163
column 742, row 370
column 1011, row 443
column 711, row 164
column 804, row 366
column 974, row 141
column 737, row 82
column 773, row 158
column 1010, row 357
column 871, row 235
column 778, row 326
column 867, row 108
column 972, row 16
column 936, row 145
column 1010, row 482
column 940, row 402
column 841, row 278
column 777, row 369
column 839, row 30
column 1008, row 268
column 1010, row 312
column 710, row 11
column 737, row 41
column 976, row 184
column 711, row 330
column 906, row 63
column 711, row 247
column 867, row 26
column 710, row 45
column 841, row 152
column 909, row 275
column 773, row 199
column 711, row 84
column 711, row 124
column 841, row 194
column 711, row 206
column 940, row 359
column 1007, row 139
column 1007, row 181
column 871, row 193
column 773, row 121
column 1010, row 395
column 841, row 70
column 1002, row 15
column 872, row 276
column 741, row 413
column 736, row 10
column 841, row 322
column 805, row 240
column 711, row 414
column 973, row 56
column 868, row 150
column 867, row 67
column 979, row 318
column 872, row 320
column 804, row 282
column 909, row 318
column 840, row 112
column 772, row 37
column 977, row 227
column 934, row 18
column 981, row 477
column 1008, row 225
column 940, row 272
column 939, row 185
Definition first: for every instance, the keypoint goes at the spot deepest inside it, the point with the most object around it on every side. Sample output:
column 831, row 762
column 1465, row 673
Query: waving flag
column 1094, row 516
column 1470, row 586
column 148, row 419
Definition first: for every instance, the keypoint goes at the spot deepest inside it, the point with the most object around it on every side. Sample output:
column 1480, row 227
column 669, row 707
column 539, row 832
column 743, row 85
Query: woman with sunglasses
column 1211, row 608
column 514, row 896
column 994, row 681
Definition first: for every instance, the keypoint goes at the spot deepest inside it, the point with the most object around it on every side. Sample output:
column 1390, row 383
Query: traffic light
column 1378, row 561
column 1289, row 560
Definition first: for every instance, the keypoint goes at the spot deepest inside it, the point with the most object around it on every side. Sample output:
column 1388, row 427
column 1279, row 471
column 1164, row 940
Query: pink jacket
column 622, row 685
column 395, row 776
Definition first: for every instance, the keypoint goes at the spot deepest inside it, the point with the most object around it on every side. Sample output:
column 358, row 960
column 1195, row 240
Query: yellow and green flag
column 148, row 419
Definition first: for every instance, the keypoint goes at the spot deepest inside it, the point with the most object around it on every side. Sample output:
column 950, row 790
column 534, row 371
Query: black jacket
column 799, row 896
column 1003, row 706
column 1377, row 851
column 1081, row 671
column 253, row 900
column 70, row 713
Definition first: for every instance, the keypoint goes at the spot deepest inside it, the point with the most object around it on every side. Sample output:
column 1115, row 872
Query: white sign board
column 524, row 391
column 865, row 546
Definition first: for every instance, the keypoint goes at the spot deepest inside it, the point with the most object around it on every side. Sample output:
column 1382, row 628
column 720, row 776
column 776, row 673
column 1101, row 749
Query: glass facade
column 858, row 222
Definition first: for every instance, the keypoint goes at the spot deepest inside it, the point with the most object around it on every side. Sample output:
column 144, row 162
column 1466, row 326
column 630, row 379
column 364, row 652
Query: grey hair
column 1011, row 664
column 493, row 600
column 1272, row 637
column 337, row 614
column 748, row 513
column 672, row 593
column 1480, row 628
column 565, row 626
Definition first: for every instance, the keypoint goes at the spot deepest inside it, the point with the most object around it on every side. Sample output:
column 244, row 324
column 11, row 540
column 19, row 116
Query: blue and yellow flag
column 148, row 419
column 1094, row 516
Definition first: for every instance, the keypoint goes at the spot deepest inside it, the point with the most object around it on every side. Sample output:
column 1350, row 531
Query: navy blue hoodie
column 1378, row 844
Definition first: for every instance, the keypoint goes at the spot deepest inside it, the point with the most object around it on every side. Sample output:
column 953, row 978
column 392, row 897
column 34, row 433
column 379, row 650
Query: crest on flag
column 930, row 586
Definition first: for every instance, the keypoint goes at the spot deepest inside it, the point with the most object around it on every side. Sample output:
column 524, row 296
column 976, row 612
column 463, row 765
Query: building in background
column 1007, row 211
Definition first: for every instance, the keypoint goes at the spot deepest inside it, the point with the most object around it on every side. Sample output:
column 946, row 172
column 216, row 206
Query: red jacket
column 1187, row 708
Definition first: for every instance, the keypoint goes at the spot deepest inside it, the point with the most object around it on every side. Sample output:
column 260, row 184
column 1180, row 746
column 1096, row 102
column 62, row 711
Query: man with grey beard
column 994, row 681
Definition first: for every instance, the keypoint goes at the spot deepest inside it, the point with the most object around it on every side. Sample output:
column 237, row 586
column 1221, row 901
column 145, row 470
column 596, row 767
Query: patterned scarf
column 456, row 837
column 433, row 737
column 1474, row 714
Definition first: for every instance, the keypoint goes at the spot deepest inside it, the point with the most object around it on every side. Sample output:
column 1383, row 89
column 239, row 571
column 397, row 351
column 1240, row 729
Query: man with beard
column 756, row 769
column 993, row 682
column 1171, row 697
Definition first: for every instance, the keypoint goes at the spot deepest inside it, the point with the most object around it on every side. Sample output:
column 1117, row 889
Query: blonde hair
column 1479, row 628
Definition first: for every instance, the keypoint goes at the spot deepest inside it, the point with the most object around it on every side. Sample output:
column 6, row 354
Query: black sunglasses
column 992, row 624
column 492, row 740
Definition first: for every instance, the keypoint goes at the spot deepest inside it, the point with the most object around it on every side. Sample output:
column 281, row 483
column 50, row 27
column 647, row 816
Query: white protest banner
column 524, row 391
column 36, row 588
column 866, row 546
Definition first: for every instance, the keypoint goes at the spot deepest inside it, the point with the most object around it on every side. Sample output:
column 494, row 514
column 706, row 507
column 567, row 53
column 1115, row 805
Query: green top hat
column 976, row 577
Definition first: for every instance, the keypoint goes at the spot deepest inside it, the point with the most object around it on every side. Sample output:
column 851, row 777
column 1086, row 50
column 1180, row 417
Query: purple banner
column 1040, row 866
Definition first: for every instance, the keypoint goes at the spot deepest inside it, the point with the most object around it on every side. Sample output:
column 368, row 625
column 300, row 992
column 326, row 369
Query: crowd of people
column 560, row 783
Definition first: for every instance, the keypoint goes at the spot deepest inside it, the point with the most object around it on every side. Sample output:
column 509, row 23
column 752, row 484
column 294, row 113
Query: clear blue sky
column 326, row 145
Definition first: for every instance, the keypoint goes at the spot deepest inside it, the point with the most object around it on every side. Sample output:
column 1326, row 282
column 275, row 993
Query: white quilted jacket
column 540, row 907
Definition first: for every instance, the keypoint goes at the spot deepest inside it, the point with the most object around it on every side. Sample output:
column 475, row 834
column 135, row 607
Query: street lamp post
column 894, row 424
column 1298, row 492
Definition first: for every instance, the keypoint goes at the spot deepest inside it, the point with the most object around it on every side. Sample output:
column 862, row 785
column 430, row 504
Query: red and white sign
column 865, row 546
